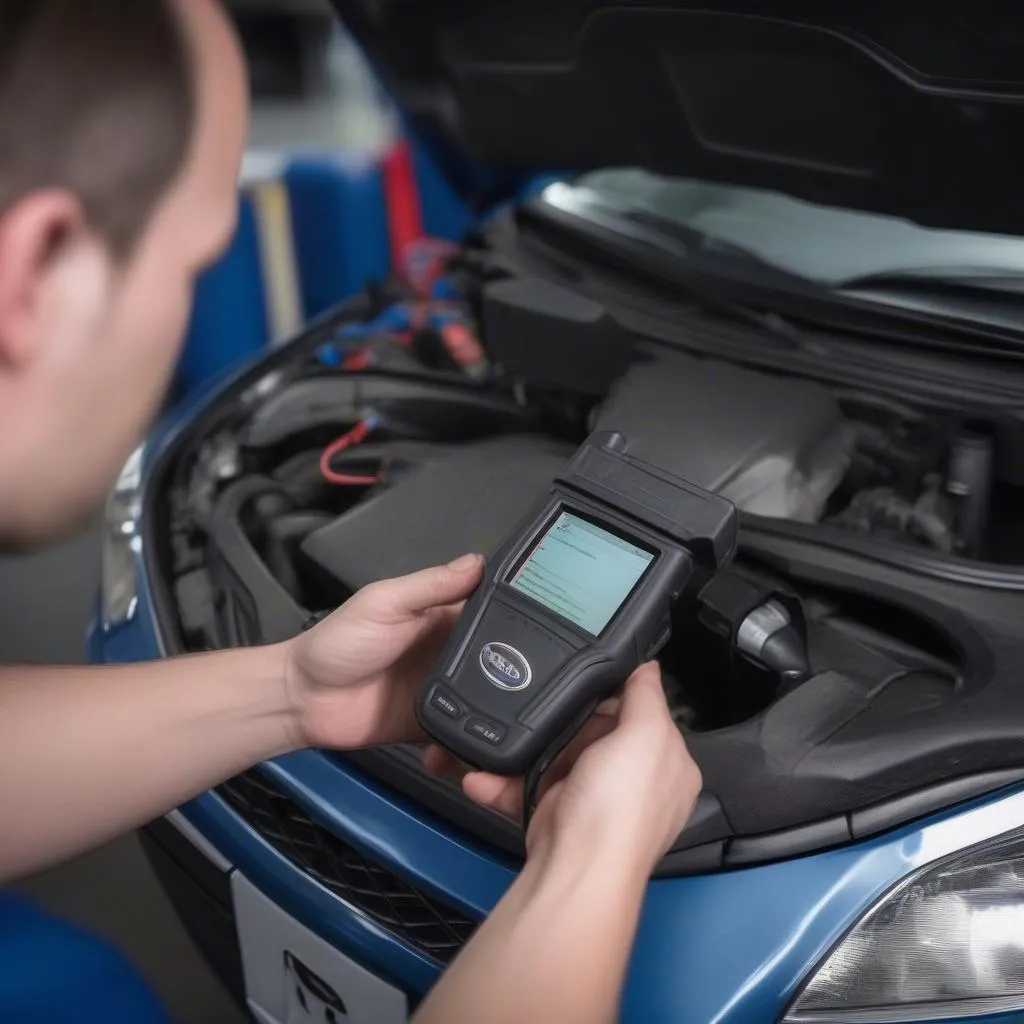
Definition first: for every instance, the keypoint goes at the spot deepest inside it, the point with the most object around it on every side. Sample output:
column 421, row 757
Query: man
column 121, row 129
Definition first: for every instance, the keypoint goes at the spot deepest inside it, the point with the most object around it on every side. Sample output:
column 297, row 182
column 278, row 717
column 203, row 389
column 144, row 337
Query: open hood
column 868, row 105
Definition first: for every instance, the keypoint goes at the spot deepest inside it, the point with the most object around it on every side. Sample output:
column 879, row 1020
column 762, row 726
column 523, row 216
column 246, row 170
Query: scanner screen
column 582, row 572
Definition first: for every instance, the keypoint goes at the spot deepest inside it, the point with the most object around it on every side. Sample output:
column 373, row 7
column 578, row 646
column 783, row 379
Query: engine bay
column 425, row 424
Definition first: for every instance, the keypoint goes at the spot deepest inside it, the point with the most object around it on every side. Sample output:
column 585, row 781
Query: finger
column 420, row 591
column 495, row 791
column 643, row 695
column 505, row 795
column 439, row 762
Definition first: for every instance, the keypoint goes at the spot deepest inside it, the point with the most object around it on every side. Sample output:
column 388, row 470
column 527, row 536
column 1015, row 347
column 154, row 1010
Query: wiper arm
column 773, row 323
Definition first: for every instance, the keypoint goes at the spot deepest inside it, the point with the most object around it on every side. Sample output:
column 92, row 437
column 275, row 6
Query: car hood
column 857, row 105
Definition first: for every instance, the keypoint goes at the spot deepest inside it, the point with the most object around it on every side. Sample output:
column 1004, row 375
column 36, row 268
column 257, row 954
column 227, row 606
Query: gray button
column 445, row 704
column 487, row 731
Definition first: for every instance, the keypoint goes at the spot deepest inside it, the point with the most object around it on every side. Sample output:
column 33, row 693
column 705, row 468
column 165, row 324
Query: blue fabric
column 229, row 316
column 340, row 228
column 53, row 972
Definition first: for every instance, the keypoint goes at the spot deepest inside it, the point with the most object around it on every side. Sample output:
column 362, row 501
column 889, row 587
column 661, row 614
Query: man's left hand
column 353, row 678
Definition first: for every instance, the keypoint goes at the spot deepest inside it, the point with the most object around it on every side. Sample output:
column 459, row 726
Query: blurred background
column 320, row 132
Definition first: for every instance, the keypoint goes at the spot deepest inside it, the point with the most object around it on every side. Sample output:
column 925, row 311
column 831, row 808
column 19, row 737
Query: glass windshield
column 832, row 247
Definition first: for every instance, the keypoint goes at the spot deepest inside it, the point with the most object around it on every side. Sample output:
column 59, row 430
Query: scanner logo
column 505, row 666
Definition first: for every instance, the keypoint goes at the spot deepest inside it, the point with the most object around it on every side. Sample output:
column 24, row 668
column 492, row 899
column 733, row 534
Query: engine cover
column 448, row 507
column 775, row 446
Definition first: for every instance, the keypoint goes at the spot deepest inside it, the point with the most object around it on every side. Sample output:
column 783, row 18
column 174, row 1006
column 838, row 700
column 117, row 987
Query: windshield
column 838, row 249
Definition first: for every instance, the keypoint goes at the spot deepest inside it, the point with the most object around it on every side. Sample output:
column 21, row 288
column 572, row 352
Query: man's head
column 121, row 130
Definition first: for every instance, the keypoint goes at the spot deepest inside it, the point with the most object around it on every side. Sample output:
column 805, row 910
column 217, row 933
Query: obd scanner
column 570, row 604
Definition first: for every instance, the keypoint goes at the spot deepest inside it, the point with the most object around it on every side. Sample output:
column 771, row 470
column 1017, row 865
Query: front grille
column 423, row 922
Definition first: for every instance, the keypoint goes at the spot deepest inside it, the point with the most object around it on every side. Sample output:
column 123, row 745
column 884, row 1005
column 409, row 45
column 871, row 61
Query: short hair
column 96, row 97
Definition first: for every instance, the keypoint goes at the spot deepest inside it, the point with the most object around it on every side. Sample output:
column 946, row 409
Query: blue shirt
column 53, row 972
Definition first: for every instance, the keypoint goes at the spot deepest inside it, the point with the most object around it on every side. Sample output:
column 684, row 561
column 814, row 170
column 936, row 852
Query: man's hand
column 615, row 801
column 626, row 783
column 353, row 679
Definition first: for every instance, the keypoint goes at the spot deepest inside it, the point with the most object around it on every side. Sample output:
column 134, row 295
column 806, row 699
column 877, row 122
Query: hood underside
column 869, row 105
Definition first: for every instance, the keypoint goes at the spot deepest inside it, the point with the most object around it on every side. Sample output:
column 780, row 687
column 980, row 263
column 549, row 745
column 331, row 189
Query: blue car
column 786, row 266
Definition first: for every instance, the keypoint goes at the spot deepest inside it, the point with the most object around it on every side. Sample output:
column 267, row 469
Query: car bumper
column 729, row 947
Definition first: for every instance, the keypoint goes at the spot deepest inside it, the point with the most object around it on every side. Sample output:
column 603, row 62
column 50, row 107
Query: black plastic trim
column 707, row 824
column 696, row 860
column 906, row 808
column 209, row 921
column 947, row 568
column 401, row 770
column 429, row 924
column 280, row 616
column 790, row 842
column 216, row 883
column 402, row 401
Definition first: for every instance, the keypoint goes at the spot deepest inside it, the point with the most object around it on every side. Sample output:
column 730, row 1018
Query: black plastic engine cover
column 448, row 507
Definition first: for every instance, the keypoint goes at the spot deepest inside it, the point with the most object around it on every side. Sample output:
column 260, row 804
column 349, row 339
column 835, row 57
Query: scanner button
column 445, row 704
column 487, row 731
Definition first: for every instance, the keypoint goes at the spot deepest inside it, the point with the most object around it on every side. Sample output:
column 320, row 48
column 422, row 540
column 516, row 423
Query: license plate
column 293, row 977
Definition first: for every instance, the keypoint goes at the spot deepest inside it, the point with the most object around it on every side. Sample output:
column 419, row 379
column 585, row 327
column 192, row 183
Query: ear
column 39, row 235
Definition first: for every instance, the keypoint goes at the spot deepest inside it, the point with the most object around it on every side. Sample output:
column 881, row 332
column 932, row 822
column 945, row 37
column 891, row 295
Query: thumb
column 429, row 588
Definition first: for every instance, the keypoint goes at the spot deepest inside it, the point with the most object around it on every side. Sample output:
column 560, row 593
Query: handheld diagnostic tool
column 570, row 604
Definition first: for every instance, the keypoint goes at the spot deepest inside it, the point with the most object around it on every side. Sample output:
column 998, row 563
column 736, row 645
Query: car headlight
column 948, row 942
column 121, row 543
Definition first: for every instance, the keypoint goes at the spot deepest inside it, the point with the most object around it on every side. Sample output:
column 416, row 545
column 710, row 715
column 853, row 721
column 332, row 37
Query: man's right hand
column 627, row 780
column 611, row 806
